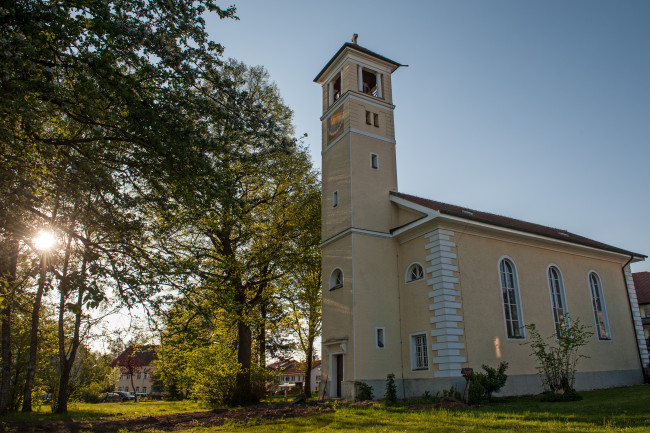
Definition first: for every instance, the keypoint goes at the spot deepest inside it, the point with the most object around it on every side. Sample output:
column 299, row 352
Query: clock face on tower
column 335, row 125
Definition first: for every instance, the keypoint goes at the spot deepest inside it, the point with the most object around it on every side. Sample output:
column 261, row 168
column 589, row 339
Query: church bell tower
column 360, row 296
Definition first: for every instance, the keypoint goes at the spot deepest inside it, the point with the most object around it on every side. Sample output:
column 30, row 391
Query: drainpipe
column 638, row 349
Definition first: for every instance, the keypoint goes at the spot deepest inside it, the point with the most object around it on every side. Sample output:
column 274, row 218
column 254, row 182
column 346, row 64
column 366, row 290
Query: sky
column 536, row 110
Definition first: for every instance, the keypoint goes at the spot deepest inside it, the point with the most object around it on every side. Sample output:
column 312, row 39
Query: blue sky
column 537, row 110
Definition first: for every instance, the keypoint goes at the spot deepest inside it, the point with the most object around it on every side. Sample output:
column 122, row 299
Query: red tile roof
column 511, row 223
column 292, row 366
column 642, row 286
column 140, row 356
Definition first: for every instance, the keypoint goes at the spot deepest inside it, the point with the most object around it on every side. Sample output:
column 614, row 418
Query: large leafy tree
column 237, row 239
column 106, row 113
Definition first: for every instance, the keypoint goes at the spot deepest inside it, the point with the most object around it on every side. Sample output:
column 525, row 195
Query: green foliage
column 476, row 392
column 391, row 390
column 214, row 371
column 483, row 385
column 558, row 356
column 364, row 391
column 452, row 392
column 556, row 397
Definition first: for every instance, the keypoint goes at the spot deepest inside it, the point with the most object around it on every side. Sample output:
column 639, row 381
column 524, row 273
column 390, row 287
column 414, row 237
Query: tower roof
column 361, row 49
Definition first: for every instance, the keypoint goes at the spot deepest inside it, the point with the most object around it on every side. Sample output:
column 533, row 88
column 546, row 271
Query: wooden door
column 339, row 374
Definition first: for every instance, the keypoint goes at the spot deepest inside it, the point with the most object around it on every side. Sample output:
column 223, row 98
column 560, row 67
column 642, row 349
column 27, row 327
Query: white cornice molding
column 432, row 215
column 356, row 131
column 357, row 231
column 361, row 97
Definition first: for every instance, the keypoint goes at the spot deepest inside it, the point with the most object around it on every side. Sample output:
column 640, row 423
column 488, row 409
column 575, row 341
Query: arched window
column 336, row 279
column 558, row 299
column 598, row 303
column 511, row 300
column 414, row 272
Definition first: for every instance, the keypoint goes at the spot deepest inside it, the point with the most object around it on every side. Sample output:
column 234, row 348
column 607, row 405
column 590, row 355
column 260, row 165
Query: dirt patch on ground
column 445, row 403
column 175, row 422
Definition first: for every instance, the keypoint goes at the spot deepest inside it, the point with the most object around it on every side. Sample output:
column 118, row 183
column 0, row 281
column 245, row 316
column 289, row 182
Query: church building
column 422, row 289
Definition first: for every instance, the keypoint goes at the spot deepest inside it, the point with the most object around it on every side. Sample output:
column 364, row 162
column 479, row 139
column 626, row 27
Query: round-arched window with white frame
column 414, row 272
column 336, row 279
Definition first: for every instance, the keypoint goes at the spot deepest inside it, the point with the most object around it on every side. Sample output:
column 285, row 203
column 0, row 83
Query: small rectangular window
column 144, row 389
column 374, row 161
column 335, row 199
column 419, row 353
column 368, row 118
column 375, row 119
column 381, row 343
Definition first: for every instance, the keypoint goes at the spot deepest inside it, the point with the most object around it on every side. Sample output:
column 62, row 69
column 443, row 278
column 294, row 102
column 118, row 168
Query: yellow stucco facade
column 415, row 291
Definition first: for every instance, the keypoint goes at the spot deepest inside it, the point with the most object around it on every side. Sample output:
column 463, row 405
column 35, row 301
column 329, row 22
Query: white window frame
column 335, row 198
column 383, row 334
column 557, row 323
column 333, row 284
column 517, row 295
column 601, row 296
column 408, row 272
column 376, row 156
column 412, row 339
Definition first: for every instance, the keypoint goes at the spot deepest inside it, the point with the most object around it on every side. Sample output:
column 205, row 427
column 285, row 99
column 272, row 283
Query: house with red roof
column 421, row 289
column 136, row 367
column 642, row 286
column 292, row 373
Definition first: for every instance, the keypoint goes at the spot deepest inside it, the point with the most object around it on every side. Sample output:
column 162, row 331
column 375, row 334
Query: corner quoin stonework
column 446, row 319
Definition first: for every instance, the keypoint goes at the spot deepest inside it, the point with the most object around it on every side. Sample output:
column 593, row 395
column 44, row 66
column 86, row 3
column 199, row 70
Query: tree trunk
column 33, row 342
column 65, row 361
column 8, row 265
column 242, row 394
column 261, row 338
column 310, row 354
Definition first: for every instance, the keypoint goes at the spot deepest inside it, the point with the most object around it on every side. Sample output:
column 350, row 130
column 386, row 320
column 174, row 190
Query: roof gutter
column 629, row 299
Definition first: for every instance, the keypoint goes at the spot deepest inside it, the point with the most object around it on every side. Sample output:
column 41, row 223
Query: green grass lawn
column 92, row 411
column 613, row 410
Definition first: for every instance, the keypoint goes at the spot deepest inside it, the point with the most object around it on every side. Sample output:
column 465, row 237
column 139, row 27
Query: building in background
column 642, row 286
column 136, row 367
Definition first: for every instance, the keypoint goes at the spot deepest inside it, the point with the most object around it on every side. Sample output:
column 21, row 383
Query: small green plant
column 483, row 385
column 452, row 392
column 391, row 389
column 557, row 361
column 476, row 392
column 553, row 397
column 364, row 391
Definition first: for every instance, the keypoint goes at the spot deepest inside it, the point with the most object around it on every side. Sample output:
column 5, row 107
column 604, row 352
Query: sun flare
column 44, row 240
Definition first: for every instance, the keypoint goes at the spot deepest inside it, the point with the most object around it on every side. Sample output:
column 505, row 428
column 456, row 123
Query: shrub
column 364, row 391
column 553, row 397
column 476, row 392
column 557, row 361
column 452, row 392
column 391, row 390
column 483, row 385
column 494, row 379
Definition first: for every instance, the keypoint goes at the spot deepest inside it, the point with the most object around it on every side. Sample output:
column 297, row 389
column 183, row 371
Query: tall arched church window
column 598, row 304
column 558, row 299
column 414, row 272
column 511, row 299
column 336, row 279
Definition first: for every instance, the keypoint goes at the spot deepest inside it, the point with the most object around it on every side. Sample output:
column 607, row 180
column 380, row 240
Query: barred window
column 419, row 353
